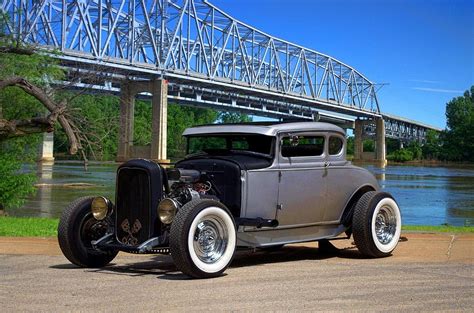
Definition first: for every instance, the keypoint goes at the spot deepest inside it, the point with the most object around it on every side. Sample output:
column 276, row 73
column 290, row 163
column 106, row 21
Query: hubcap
column 210, row 239
column 385, row 225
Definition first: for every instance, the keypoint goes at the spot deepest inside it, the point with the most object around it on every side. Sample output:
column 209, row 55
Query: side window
column 335, row 145
column 300, row 146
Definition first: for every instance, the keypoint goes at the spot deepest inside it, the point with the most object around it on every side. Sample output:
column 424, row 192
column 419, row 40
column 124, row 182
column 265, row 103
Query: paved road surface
column 427, row 273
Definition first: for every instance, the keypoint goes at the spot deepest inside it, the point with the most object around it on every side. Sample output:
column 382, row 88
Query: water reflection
column 61, row 183
column 426, row 195
column 43, row 197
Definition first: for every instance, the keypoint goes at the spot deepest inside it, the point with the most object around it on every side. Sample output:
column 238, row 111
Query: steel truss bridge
column 209, row 58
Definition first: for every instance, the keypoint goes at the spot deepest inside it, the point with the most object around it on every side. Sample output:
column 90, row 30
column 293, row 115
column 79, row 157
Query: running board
column 256, row 222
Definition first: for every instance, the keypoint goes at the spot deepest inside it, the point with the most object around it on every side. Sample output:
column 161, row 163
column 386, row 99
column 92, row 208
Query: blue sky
column 424, row 50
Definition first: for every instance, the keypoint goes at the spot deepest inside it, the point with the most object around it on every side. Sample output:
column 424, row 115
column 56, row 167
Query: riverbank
column 47, row 227
column 433, row 163
column 423, row 162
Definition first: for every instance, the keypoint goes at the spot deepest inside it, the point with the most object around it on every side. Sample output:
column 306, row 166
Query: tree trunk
column 57, row 111
column 16, row 128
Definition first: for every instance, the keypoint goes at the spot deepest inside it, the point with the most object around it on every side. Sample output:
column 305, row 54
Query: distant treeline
column 455, row 143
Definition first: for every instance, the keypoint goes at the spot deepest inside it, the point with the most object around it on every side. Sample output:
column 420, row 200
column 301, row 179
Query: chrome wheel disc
column 210, row 239
column 385, row 225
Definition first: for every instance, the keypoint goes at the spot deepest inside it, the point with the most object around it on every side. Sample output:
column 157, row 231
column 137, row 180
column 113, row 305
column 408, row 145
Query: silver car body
column 308, row 195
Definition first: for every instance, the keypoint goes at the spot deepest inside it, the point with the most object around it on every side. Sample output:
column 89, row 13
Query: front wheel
column 376, row 224
column 77, row 228
column 203, row 238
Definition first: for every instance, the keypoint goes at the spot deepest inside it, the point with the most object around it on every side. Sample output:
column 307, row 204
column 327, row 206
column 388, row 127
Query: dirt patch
column 414, row 247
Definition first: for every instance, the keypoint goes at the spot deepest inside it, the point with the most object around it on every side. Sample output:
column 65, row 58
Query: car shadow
column 162, row 266
column 292, row 253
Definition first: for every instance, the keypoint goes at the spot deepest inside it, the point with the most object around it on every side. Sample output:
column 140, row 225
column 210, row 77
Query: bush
column 14, row 186
column 402, row 155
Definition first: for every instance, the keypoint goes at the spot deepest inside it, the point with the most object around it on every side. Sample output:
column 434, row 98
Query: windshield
column 224, row 143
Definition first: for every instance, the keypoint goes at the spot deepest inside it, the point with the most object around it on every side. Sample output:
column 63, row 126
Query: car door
column 340, row 184
column 302, row 179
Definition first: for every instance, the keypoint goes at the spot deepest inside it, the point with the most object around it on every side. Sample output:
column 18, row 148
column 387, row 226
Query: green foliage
column 458, row 139
column 401, row 155
column 392, row 145
column 28, row 227
column 233, row 117
column 369, row 145
column 142, row 123
column 412, row 152
column 439, row 229
column 14, row 185
column 180, row 118
column 415, row 148
column 15, row 104
column 99, row 116
column 350, row 145
column 432, row 147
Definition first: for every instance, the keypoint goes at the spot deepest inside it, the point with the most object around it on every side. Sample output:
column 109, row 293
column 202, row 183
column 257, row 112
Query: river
column 426, row 195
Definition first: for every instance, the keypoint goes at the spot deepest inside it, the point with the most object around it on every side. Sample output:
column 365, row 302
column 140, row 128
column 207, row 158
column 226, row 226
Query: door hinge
column 279, row 176
column 279, row 207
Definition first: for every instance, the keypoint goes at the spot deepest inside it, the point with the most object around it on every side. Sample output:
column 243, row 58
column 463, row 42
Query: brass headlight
column 167, row 210
column 100, row 208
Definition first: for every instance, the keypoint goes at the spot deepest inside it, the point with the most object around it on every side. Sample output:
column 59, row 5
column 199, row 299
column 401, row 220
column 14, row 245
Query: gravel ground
column 428, row 272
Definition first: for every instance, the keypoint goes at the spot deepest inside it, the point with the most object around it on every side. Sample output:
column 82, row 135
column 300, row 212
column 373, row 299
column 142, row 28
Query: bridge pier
column 358, row 140
column 360, row 133
column 46, row 149
column 157, row 150
column 380, row 146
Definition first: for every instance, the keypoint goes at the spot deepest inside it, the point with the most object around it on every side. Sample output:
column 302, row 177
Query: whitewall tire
column 203, row 238
column 376, row 224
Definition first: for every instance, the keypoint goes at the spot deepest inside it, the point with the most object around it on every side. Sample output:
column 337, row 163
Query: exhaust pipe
column 257, row 222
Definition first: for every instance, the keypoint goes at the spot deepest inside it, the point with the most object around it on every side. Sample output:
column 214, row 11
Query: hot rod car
column 248, row 185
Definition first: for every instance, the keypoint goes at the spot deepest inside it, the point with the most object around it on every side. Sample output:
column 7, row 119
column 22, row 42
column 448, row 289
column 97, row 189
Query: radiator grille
column 133, row 206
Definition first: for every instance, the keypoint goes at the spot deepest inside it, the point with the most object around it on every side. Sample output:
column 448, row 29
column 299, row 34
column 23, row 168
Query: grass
column 47, row 227
column 28, row 226
column 439, row 229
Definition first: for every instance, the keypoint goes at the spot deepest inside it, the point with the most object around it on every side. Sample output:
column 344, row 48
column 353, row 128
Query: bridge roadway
column 208, row 58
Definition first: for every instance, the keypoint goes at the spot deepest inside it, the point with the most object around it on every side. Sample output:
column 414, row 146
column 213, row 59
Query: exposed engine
column 186, row 185
column 183, row 192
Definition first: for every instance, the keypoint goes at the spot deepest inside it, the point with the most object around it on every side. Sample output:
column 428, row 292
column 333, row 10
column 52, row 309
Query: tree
column 369, row 145
column 432, row 147
column 98, row 117
column 180, row 118
column 233, row 117
column 30, row 73
column 28, row 107
column 14, row 187
column 458, row 140
column 350, row 145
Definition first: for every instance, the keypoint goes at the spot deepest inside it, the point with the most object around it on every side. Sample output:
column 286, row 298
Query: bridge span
column 191, row 52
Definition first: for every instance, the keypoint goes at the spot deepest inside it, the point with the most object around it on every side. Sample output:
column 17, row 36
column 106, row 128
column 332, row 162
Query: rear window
column 212, row 144
column 301, row 146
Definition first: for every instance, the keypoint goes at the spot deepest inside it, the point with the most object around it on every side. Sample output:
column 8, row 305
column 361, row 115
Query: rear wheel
column 77, row 228
column 376, row 224
column 203, row 238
